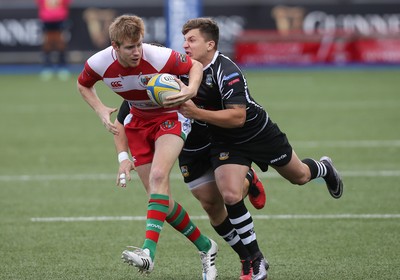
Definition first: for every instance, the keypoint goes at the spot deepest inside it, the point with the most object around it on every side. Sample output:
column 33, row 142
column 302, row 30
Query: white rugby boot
column 139, row 258
column 208, row 261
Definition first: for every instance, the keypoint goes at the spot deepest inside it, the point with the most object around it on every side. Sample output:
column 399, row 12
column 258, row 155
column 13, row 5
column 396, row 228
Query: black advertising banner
column 20, row 30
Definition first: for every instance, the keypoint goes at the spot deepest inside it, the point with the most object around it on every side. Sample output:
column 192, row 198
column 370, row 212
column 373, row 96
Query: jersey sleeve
column 178, row 63
column 88, row 77
column 232, row 84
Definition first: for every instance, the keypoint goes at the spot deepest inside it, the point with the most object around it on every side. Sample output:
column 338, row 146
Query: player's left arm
column 122, row 148
column 233, row 97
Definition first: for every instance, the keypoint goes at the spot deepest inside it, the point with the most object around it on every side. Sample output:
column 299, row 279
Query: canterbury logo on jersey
column 116, row 84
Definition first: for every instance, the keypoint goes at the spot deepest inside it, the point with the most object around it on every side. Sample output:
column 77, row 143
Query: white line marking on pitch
column 257, row 217
column 348, row 144
column 175, row 176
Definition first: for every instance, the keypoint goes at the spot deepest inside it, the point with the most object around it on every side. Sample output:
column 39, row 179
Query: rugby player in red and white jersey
column 155, row 135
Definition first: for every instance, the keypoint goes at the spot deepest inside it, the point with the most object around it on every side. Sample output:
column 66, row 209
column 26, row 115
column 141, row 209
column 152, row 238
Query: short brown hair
column 126, row 27
column 207, row 27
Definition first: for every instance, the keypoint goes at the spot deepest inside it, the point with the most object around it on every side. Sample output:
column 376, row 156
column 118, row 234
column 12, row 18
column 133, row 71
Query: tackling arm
column 231, row 117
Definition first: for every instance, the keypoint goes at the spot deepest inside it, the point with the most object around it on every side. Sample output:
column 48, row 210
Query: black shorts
column 194, row 164
column 54, row 26
column 270, row 147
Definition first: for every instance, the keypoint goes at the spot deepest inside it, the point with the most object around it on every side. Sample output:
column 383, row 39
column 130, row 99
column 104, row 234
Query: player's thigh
column 295, row 170
column 167, row 150
column 230, row 178
column 211, row 201
column 207, row 194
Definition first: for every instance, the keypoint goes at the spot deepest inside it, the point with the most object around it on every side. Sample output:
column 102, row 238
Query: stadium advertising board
column 370, row 34
column 306, row 33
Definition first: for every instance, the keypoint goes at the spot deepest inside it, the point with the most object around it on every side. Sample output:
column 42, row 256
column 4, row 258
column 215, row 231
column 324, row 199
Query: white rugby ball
column 160, row 86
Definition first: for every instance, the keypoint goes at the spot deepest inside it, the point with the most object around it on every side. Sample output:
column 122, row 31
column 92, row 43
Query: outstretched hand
column 105, row 117
column 124, row 170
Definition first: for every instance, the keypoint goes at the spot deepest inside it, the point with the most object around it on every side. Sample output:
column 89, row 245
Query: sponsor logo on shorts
column 279, row 158
column 223, row 156
column 167, row 125
column 185, row 171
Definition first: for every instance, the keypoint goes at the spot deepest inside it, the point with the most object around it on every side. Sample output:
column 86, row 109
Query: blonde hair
column 126, row 27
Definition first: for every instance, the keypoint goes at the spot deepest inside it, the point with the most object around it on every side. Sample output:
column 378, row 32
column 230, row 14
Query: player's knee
column 158, row 177
column 231, row 198
column 299, row 179
column 212, row 208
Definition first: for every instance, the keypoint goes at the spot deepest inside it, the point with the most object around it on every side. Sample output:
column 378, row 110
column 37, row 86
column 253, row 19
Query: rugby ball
column 160, row 86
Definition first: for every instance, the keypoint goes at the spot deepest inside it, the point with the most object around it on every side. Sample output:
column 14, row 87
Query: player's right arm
column 103, row 112
column 86, row 81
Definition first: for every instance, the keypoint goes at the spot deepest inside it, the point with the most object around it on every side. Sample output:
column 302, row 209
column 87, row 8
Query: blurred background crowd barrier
column 254, row 33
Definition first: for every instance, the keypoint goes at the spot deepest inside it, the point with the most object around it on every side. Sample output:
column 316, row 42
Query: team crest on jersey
column 209, row 80
column 167, row 125
column 185, row 171
column 144, row 79
column 223, row 156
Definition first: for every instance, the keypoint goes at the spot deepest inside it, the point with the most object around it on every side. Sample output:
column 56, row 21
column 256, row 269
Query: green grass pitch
column 62, row 217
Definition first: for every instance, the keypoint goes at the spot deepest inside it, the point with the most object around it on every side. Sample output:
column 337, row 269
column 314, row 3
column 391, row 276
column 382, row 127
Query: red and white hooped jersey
column 130, row 82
